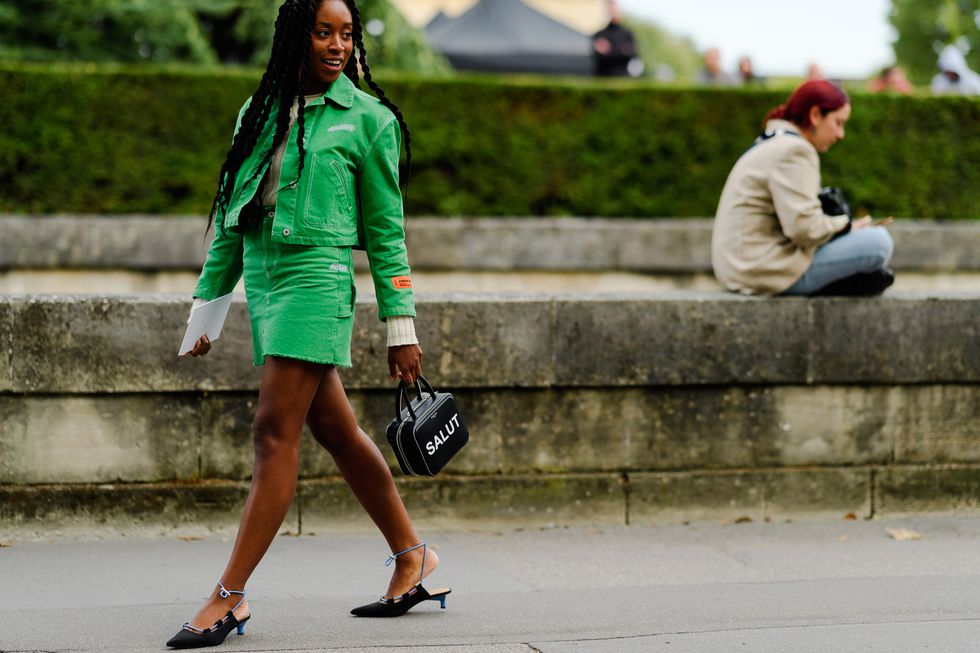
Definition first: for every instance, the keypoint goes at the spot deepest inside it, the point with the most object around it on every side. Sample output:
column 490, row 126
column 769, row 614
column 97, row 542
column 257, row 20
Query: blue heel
column 191, row 637
column 399, row 605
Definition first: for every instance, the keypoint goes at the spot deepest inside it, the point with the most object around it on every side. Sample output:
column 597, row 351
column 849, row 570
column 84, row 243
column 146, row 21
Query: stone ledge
column 749, row 494
column 575, row 244
column 92, row 344
column 483, row 502
column 927, row 488
column 212, row 504
column 192, row 436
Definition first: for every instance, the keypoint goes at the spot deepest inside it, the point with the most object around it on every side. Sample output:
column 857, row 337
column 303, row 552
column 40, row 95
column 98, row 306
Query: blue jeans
column 865, row 250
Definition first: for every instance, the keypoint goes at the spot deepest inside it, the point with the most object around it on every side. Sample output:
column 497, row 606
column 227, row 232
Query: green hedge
column 114, row 140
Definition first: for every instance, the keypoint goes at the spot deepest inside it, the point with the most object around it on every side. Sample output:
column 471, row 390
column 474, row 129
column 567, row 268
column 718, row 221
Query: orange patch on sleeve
column 401, row 282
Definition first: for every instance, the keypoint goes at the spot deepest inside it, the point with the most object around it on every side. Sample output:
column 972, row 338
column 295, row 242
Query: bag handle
column 402, row 392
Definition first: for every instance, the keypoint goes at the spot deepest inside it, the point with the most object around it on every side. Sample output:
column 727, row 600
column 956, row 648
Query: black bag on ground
column 427, row 431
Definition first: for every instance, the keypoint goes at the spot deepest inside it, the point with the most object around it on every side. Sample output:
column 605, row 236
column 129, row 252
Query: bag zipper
column 398, row 439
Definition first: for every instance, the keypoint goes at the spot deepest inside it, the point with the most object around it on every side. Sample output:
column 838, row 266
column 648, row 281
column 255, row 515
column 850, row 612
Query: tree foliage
column 665, row 55
column 924, row 27
column 184, row 31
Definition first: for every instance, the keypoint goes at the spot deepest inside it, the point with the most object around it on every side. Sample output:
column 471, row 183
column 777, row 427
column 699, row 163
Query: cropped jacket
column 347, row 195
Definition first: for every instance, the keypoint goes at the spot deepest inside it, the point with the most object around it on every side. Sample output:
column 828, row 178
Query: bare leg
column 332, row 421
column 285, row 393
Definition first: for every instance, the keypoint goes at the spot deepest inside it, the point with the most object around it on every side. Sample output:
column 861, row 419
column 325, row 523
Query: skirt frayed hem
column 307, row 359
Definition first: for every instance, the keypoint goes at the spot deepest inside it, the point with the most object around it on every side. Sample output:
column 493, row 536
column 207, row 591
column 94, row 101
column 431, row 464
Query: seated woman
column 771, row 235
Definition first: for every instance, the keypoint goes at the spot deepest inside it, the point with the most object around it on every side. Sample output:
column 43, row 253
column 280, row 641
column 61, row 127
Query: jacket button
column 286, row 232
column 292, row 185
column 271, row 214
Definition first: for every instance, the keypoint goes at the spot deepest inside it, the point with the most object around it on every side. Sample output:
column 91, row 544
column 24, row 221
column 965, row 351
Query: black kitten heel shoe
column 399, row 605
column 191, row 637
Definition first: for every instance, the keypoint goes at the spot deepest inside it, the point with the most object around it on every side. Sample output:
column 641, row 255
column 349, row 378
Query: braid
column 366, row 70
column 351, row 71
column 304, row 51
column 279, row 85
column 284, row 80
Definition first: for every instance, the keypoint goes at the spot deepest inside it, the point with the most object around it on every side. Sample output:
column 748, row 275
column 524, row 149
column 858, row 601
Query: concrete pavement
column 828, row 586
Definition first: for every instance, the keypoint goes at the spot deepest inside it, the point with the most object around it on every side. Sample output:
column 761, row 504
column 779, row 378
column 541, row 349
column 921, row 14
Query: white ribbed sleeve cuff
column 401, row 331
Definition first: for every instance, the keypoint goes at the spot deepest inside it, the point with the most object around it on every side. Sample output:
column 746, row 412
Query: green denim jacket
column 348, row 195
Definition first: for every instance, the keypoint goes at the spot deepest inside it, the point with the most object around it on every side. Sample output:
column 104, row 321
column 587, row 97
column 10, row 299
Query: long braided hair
column 285, row 79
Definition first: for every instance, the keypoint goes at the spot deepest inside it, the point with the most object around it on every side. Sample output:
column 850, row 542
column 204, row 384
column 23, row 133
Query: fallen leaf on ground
column 850, row 516
column 842, row 538
column 189, row 538
column 903, row 534
column 6, row 545
column 744, row 519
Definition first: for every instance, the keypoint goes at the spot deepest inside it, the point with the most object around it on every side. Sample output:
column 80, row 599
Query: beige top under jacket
column 769, row 220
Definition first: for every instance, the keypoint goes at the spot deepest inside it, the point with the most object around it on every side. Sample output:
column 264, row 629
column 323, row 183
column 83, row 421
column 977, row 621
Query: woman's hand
column 861, row 223
column 405, row 362
column 201, row 347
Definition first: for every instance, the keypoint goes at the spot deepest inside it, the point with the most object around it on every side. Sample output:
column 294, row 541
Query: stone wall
column 564, row 244
column 581, row 408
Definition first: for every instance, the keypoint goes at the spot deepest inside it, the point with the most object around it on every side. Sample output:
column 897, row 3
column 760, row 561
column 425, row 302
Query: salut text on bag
column 442, row 437
column 427, row 431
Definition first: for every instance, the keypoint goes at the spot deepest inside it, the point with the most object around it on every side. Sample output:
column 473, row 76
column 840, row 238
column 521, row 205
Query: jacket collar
column 781, row 125
column 341, row 93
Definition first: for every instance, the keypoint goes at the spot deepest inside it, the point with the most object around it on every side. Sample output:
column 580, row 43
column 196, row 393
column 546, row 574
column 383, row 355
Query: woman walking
column 313, row 172
column 771, row 235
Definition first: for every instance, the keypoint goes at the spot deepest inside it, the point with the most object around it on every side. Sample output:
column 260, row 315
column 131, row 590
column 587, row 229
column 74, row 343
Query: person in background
column 955, row 76
column 614, row 47
column 891, row 79
column 712, row 74
column 814, row 71
column 771, row 235
column 746, row 73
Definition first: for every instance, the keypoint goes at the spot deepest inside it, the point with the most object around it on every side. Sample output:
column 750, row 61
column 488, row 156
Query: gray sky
column 847, row 38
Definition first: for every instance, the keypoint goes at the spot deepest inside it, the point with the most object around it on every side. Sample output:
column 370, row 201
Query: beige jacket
column 769, row 219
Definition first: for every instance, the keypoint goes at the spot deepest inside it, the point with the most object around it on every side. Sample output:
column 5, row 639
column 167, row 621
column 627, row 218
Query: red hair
column 815, row 93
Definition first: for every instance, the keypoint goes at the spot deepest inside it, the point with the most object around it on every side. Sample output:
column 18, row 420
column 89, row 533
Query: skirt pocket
column 345, row 295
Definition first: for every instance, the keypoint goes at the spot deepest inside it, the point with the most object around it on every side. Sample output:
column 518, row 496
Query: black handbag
column 427, row 431
column 832, row 202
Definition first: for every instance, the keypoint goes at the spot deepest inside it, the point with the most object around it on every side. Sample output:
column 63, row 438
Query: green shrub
column 121, row 139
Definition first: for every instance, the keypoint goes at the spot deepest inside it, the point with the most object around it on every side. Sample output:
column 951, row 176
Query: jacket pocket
column 329, row 197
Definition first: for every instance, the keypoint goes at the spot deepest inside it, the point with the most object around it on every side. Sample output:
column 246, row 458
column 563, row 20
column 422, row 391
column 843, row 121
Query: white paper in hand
column 208, row 318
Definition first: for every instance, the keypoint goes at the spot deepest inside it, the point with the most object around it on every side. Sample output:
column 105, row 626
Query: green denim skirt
column 300, row 298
